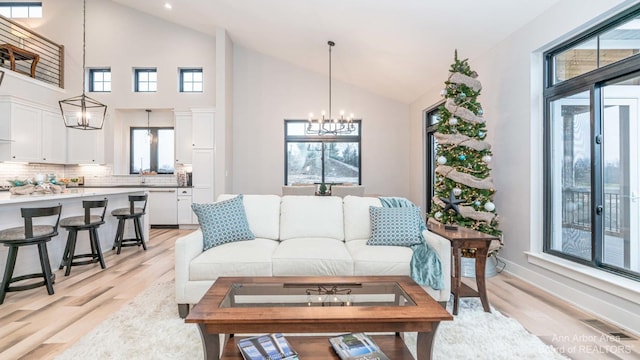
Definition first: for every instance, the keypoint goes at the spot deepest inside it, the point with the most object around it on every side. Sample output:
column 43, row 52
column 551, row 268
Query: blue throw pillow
column 395, row 226
column 223, row 222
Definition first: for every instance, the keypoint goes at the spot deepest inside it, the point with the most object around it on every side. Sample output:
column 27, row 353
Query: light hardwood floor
column 34, row 325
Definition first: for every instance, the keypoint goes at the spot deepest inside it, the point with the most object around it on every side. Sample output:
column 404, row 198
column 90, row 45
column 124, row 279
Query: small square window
column 146, row 80
column 191, row 80
column 100, row 80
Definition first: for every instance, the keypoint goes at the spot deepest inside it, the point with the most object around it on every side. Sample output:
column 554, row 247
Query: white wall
column 267, row 91
column 122, row 38
column 511, row 75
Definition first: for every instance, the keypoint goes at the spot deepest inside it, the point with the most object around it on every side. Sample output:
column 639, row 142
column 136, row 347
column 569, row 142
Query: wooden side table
column 464, row 238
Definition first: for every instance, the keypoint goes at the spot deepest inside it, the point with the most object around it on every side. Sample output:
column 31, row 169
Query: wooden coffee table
column 250, row 305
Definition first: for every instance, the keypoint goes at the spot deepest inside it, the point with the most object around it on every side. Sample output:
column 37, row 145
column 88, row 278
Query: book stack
column 356, row 346
column 267, row 347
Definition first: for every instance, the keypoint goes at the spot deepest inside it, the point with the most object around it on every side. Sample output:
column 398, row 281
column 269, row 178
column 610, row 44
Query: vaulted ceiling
column 395, row 48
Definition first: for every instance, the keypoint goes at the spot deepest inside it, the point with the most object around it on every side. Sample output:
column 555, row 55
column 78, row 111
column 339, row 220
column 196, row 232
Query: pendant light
column 329, row 125
column 82, row 112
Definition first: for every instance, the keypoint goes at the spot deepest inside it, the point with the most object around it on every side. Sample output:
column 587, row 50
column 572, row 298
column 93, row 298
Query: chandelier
column 328, row 125
column 82, row 112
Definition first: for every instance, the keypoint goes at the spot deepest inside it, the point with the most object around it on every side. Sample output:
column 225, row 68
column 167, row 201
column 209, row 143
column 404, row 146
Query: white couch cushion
column 357, row 224
column 312, row 257
column 311, row 217
column 379, row 260
column 242, row 258
column 263, row 214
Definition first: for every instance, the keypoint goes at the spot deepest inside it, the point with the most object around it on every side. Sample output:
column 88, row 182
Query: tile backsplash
column 93, row 175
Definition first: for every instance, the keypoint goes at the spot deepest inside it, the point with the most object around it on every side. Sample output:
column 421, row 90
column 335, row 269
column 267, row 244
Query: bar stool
column 87, row 222
column 26, row 235
column 131, row 212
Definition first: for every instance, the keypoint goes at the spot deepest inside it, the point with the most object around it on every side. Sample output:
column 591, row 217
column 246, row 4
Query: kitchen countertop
column 137, row 186
column 70, row 193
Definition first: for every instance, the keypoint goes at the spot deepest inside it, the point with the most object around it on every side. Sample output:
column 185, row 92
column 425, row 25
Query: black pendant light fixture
column 326, row 124
column 82, row 112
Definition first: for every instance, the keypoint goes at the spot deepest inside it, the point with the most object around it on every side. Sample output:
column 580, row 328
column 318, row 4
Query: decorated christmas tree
column 463, row 187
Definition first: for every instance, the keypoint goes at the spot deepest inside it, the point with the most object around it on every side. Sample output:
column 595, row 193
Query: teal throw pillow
column 399, row 226
column 223, row 222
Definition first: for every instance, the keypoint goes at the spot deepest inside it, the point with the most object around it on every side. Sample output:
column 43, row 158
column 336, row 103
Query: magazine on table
column 267, row 347
column 357, row 346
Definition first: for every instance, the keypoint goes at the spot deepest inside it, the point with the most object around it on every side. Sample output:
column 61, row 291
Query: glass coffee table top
column 316, row 294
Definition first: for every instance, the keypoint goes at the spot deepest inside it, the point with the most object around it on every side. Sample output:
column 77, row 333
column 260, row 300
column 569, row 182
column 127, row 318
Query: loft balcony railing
column 31, row 54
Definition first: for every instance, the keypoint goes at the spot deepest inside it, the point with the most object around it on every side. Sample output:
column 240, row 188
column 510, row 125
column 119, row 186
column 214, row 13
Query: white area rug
column 149, row 328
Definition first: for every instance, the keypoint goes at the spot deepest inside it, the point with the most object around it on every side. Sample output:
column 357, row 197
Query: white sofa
column 298, row 236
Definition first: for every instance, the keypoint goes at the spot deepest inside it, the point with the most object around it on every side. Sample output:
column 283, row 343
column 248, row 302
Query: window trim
column 92, row 72
column 322, row 139
column 181, row 79
column 136, row 81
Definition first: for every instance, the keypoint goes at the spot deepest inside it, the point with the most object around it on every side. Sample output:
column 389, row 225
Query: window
column 431, row 121
column 592, row 142
column 17, row 10
column 152, row 150
column 313, row 159
column 190, row 80
column 100, row 80
column 146, row 80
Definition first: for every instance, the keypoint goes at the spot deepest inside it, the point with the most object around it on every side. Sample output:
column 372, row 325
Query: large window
column 592, row 147
column 100, row 80
column 18, row 10
column 311, row 159
column 152, row 150
column 431, row 118
column 146, row 80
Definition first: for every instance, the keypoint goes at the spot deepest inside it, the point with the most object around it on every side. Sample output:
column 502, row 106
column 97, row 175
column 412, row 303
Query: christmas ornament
column 481, row 134
column 438, row 215
column 453, row 121
column 452, row 203
column 457, row 191
column 489, row 206
column 480, row 112
column 486, row 158
column 462, row 96
column 477, row 203
column 462, row 157
column 442, row 160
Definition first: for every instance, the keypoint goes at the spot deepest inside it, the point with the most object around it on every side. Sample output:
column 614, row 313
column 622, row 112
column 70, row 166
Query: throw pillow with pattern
column 395, row 226
column 223, row 222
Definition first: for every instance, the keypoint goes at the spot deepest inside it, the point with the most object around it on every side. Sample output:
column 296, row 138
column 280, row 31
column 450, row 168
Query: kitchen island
column 71, row 200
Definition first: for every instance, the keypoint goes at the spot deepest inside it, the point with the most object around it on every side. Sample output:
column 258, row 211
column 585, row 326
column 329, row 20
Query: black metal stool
column 84, row 222
column 132, row 212
column 26, row 235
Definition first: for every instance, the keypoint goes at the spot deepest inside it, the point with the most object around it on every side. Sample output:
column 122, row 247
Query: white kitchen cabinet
column 203, row 176
column 183, row 129
column 203, row 124
column 54, row 135
column 85, row 146
column 31, row 133
column 162, row 207
column 185, row 214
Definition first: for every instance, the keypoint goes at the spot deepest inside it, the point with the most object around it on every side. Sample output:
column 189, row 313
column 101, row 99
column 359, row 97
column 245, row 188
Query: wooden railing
column 26, row 52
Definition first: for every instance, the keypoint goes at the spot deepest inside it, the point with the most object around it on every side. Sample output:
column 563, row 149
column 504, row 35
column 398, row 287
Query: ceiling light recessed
column 168, row 6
